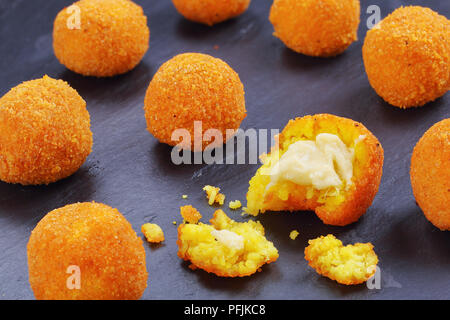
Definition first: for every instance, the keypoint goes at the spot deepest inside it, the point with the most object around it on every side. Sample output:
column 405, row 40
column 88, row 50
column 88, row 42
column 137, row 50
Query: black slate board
column 130, row 170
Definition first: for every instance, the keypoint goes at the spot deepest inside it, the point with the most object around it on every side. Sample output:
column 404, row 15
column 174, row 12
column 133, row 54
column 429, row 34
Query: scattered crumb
column 293, row 235
column 174, row 222
column 152, row 232
column 216, row 47
column 235, row 204
column 184, row 196
column 213, row 195
column 190, row 214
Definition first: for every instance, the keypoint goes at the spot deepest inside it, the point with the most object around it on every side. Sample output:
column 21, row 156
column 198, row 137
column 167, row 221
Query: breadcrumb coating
column 45, row 132
column 349, row 265
column 152, row 232
column 112, row 39
column 97, row 239
column 430, row 174
column 213, row 195
column 210, row 12
column 316, row 28
column 333, row 206
column 240, row 251
column 194, row 87
column 407, row 56
column 190, row 214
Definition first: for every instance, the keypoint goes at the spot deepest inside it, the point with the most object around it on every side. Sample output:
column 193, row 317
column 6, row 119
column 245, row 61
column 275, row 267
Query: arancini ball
column 210, row 12
column 86, row 251
column 323, row 163
column 194, row 91
column 45, row 132
column 430, row 174
column 316, row 28
column 111, row 38
column 407, row 56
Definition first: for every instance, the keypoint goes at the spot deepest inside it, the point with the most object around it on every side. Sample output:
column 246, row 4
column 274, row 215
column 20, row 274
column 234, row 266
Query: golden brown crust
column 367, row 172
column 97, row 239
column 194, row 87
column 112, row 38
column 210, row 12
column 407, row 56
column 45, row 132
column 430, row 174
column 316, row 28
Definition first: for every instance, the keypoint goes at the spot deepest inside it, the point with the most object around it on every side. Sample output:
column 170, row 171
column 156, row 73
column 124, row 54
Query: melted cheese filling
column 324, row 163
column 228, row 238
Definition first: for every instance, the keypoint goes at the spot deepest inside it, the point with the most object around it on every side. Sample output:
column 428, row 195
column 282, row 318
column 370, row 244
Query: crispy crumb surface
column 97, row 239
column 430, row 174
column 407, row 56
column 45, row 132
column 112, row 37
column 316, row 28
column 210, row 12
column 191, row 88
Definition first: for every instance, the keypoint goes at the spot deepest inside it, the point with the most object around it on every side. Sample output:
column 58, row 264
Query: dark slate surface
column 129, row 170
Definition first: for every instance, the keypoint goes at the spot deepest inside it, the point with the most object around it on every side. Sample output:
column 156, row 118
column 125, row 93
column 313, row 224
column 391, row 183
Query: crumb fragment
column 152, row 232
column 190, row 214
column 174, row 223
column 293, row 235
column 184, row 196
column 213, row 195
column 234, row 205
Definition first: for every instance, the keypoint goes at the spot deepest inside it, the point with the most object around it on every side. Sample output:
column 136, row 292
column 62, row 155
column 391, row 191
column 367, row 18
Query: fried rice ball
column 111, row 38
column 407, row 56
column 324, row 163
column 226, row 248
column 194, row 92
column 99, row 241
column 316, row 28
column 45, row 132
column 210, row 12
column 349, row 265
column 430, row 174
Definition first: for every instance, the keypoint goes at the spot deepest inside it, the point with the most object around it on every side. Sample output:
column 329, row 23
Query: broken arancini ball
column 45, row 132
column 93, row 243
column 101, row 38
column 349, row 265
column 324, row 163
column 407, row 56
column 190, row 95
column 152, row 232
column 430, row 174
column 226, row 248
column 210, row 12
column 316, row 28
